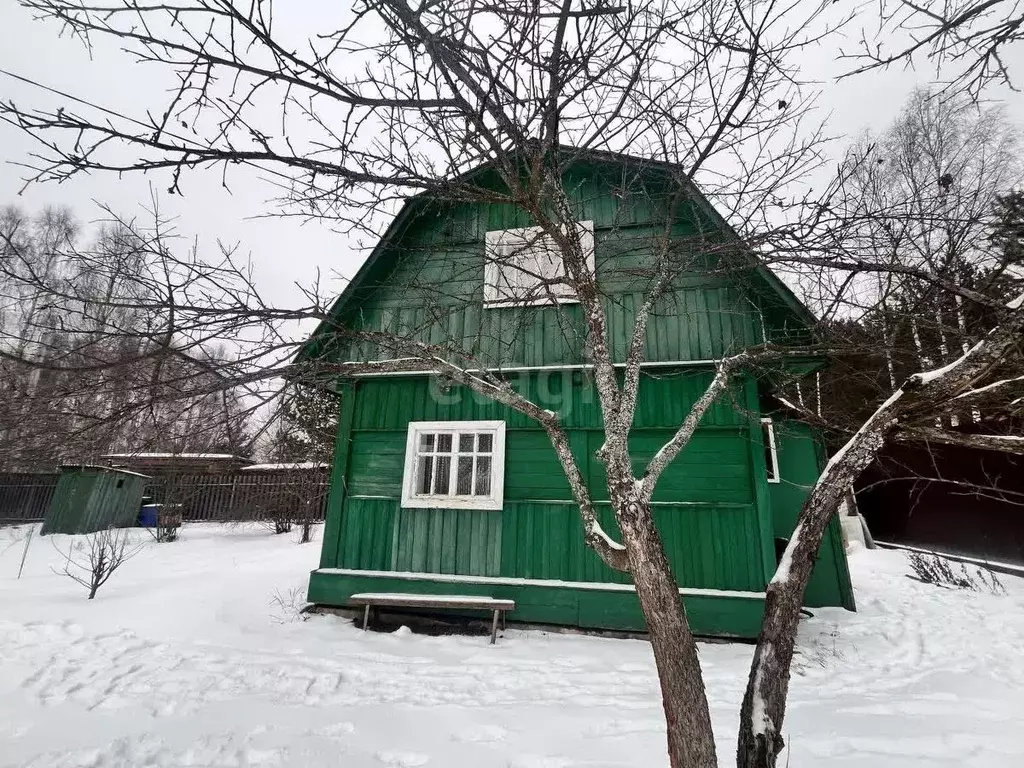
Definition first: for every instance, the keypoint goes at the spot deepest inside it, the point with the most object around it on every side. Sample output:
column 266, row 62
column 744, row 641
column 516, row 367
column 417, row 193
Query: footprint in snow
column 541, row 761
column 482, row 733
column 402, row 759
column 624, row 727
column 337, row 730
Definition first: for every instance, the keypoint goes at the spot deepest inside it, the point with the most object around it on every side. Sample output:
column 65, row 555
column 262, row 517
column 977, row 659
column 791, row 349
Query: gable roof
column 324, row 330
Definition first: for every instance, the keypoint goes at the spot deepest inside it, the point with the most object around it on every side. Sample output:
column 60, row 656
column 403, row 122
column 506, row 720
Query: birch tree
column 395, row 99
column 935, row 182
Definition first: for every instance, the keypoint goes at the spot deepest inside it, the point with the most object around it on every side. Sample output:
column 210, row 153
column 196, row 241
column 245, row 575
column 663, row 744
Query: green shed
column 90, row 498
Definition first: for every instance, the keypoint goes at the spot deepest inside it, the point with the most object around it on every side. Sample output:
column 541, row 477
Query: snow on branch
column 1002, row 443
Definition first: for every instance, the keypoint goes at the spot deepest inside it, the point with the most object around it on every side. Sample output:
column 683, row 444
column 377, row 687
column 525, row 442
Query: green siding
column 339, row 472
column 544, row 540
column 427, row 281
column 89, row 499
column 459, row 541
column 715, row 468
column 367, row 534
column 693, row 324
column 390, row 403
column 705, row 502
column 710, row 546
column 713, row 505
column 799, row 459
column 554, row 603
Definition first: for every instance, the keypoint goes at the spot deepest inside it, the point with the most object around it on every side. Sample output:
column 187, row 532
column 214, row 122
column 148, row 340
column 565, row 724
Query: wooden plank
column 407, row 600
column 759, row 477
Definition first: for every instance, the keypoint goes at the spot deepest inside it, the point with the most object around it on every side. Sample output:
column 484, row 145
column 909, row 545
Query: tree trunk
column 691, row 741
column 764, row 703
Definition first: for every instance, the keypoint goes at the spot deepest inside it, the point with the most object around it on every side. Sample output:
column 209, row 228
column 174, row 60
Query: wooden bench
column 399, row 600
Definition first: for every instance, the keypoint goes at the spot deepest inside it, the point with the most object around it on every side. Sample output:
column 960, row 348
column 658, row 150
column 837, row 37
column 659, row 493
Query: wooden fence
column 295, row 495
column 25, row 496
column 244, row 496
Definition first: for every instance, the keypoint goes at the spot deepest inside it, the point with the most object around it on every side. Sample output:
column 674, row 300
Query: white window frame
column 494, row 500
column 528, row 237
column 768, row 430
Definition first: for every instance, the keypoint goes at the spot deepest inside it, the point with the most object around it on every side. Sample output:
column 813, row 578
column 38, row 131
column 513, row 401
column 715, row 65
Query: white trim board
column 739, row 506
column 773, row 470
column 529, row 368
column 597, row 586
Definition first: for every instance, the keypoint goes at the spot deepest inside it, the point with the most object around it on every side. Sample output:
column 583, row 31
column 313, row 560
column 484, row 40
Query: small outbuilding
column 90, row 498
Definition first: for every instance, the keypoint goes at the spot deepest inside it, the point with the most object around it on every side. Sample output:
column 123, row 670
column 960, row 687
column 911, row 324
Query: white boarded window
column 455, row 465
column 519, row 262
column 771, row 453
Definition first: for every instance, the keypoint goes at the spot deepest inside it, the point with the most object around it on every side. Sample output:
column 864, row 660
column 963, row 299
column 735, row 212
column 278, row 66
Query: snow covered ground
column 185, row 659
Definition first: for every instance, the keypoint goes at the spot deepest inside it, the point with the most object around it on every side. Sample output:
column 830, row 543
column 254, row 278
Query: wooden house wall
column 801, row 457
column 706, row 503
column 429, row 283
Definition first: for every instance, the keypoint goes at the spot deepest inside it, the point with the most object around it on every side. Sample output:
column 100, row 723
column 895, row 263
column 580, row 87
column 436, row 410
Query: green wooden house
column 437, row 490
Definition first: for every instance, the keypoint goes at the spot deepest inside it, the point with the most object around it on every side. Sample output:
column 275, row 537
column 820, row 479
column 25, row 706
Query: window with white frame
column 521, row 262
column 771, row 454
column 454, row 464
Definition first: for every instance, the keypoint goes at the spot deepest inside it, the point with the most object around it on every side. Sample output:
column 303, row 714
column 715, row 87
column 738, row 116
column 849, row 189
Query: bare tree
column 303, row 494
column 93, row 562
column 968, row 39
column 109, row 366
column 933, row 183
column 702, row 92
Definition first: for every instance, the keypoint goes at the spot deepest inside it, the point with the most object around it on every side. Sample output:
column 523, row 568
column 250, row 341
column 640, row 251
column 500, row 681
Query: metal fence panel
column 244, row 496
column 297, row 495
column 25, row 496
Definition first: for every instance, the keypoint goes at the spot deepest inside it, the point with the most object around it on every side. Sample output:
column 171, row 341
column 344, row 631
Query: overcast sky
column 284, row 251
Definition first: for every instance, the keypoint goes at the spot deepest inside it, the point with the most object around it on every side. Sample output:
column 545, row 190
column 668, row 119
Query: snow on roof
column 103, row 468
column 286, row 465
column 787, row 404
column 221, row 456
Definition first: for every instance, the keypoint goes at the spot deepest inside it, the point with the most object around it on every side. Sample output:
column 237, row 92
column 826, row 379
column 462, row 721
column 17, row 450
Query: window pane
column 466, row 442
column 483, row 476
column 424, row 474
column 426, row 442
column 484, row 442
column 442, row 479
column 444, row 442
column 464, row 476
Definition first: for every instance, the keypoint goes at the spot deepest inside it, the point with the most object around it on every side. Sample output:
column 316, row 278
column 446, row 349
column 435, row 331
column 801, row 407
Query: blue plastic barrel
column 148, row 515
